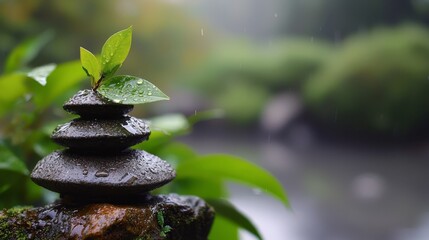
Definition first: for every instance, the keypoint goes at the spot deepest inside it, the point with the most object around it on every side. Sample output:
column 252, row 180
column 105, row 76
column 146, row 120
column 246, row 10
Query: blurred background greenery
column 348, row 69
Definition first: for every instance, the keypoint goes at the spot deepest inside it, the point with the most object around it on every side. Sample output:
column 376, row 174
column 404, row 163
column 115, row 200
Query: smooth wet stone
column 123, row 174
column 190, row 218
column 101, row 134
column 90, row 104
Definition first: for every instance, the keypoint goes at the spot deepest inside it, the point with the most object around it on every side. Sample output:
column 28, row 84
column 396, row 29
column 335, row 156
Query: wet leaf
column 40, row 74
column 115, row 51
column 221, row 166
column 91, row 65
column 229, row 212
column 130, row 90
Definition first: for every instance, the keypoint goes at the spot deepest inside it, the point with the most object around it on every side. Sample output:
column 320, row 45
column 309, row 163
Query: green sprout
column 123, row 89
column 164, row 228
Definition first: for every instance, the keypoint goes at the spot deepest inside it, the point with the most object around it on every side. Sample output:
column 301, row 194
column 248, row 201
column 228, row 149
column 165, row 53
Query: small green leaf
column 167, row 229
column 221, row 166
column 91, row 65
column 40, row 74
column 130, row 90
column 160, row 217
column 115, row 51
column 228, row 211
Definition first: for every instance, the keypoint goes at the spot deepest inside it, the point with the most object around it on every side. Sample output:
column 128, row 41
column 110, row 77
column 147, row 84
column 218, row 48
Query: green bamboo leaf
column 40, row 74
column 90, row 65
column 229, row 212
column 228, row 167
column 115, row 51
column 130, row 90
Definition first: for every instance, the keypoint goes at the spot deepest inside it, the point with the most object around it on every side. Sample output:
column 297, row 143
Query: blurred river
column 338, row 191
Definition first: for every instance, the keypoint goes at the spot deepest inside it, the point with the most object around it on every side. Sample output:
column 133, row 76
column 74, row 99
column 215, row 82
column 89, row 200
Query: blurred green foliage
column 241, row 77
column 376, row 82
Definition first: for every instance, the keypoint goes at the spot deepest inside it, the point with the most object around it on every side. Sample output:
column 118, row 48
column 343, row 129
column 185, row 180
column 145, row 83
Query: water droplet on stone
column 101, row 174
column 117, row 100
column 149, row 93
column 140, row 81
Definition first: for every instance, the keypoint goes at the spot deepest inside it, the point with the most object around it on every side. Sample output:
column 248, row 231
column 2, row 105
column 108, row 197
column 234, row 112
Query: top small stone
column 90, row 104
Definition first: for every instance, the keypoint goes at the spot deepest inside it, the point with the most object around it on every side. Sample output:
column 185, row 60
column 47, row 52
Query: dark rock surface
column 190, row 218
column 124, row 173
column 102, row 134
column 89, row 103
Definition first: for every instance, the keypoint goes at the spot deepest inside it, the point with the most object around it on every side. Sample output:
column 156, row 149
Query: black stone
column 126, row 173
column 90, row 104
column 101, row 134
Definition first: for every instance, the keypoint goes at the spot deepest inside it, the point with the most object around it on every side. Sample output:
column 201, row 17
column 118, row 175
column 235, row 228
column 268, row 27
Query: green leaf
column 221, row 166
column 64, row 77
column 130, row 90
column 12, row 88
column 229, row 212
column 160, row 217
column 26, row 51
column 90, row 65
column 115, row 51
column 40, row 74
column 10, row 162
column 223, row 229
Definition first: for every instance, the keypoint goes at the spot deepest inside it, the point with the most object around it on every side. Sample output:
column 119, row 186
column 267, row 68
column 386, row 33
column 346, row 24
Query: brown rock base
column 152, row 218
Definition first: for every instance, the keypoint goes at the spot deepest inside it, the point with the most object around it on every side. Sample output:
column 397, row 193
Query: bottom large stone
column 187, row 217
column 127, row 173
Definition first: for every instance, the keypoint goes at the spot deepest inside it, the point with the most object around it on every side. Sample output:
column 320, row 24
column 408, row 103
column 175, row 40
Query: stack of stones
column 97, row 164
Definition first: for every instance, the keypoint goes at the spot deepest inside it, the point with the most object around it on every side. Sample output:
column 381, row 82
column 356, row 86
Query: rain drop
column 149, row 93
column 140, row 81
column 116, row 100
column 202, row 31
column 101, row 174
column 276, row 15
